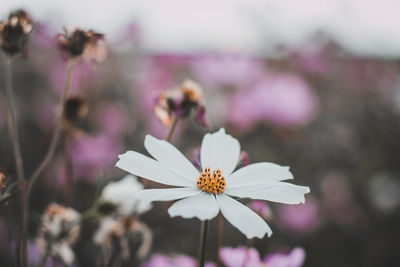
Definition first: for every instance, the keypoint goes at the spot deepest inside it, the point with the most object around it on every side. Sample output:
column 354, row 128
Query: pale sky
column 366, row 27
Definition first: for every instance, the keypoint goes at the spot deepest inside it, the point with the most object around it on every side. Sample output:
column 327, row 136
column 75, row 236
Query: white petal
column 220, row 150
column 243, row 218
column 121, row 194
column 150, row 169
column 202, row 206
column 258, row 173
column 276, row 192
column 165, row 194
column 170, row 156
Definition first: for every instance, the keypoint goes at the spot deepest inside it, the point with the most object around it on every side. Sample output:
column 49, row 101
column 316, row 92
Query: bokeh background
column 314, row 85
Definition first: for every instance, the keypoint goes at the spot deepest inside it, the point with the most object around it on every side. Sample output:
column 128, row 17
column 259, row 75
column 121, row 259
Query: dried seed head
column 15, row 32
column 116, row 232
column 180, row 102
column 60, row 223
column 75, row 109
column 88, row 45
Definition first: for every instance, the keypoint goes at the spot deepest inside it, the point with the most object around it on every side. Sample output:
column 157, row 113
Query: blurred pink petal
column 91, row 154
column 281, row 99
column 112, row 120
column 301, row 218
column 312, row 62
column 294, row 259
column 240, row 257
column 159, row 260
column 216, row 70
column 261, row 208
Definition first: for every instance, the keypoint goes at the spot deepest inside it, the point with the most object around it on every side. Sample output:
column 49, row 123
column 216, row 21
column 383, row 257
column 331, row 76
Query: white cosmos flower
column 120, row 194
column 204, row 199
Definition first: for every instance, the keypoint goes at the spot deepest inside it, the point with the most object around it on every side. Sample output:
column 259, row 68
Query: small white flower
column 205, row 194
column 120, row 194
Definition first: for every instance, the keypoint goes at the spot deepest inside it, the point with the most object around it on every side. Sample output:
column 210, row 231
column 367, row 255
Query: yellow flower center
column 212, row 183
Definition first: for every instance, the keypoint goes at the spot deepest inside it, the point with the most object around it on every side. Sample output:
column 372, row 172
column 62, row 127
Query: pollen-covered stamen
column 212, row 183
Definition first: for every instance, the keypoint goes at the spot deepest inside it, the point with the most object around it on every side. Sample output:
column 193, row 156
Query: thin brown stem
column 49, row 154
column 172, row 129
column 219, row 238
column 56, row 135
column 69, row 173
column 12, row 118
column 202, row 250
column 13, row 131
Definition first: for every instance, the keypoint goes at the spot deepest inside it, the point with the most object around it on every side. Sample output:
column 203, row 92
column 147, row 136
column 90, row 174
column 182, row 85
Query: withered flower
column 117, row 234
column 75, row 109
column 86, row 45
column 60, row 230
column 181, row 102
column 15, row 32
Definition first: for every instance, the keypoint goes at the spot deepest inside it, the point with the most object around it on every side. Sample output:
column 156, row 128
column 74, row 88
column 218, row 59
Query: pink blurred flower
column 240, row 257
column 112, row 120
column 261, row 208
column 294, row 259
column 171, row 60
column 312, row 62
column 249, row 257
column 302, row 218
column 159, row 260
column 281, row 99
column 89, row 154
column 216, row 70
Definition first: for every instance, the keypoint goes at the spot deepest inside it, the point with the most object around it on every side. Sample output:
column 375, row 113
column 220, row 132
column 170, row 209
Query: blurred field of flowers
column 330, row 115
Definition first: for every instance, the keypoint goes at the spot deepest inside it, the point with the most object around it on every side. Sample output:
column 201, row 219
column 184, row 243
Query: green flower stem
column 202, row 251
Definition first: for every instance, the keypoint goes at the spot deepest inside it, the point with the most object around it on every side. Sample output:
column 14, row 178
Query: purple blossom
column 112, row 120
column 240, row 257
column 293, row 259
column 216, row 70
column 261, row 208
column 249, row 257
column 281, row 99
column 301, row 218
column 91, row 154
column 160, row 260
